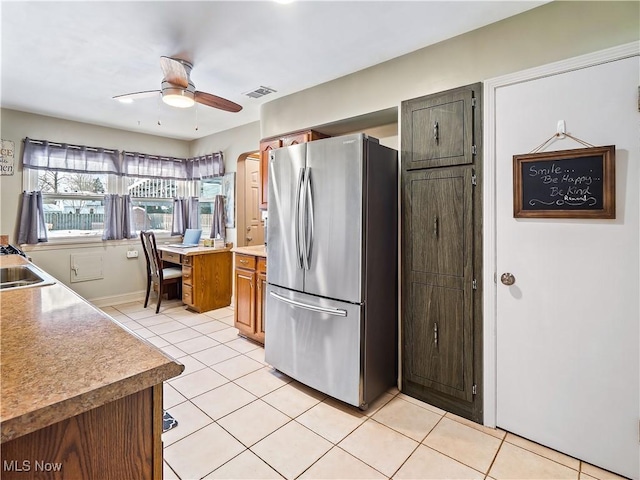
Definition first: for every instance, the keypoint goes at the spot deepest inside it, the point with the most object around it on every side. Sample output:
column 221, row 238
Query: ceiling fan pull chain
column 196, row 109
column 158, row 104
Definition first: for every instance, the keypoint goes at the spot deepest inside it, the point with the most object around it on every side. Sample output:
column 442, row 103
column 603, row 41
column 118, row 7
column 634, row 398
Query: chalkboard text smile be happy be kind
column 557, row 179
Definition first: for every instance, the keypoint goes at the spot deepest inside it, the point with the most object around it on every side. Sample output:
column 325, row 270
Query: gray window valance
column 142, row 165
column 205, row 166
column 62, row 157
column 42, row 154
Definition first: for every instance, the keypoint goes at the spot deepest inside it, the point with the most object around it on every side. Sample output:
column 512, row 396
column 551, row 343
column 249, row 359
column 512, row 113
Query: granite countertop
column 256, row 250
column 61, row 356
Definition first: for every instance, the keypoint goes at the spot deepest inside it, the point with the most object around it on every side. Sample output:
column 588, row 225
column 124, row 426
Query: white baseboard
column 118, row 299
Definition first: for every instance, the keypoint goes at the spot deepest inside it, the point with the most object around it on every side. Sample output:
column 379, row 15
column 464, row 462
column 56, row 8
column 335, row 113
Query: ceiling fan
column 178, row 90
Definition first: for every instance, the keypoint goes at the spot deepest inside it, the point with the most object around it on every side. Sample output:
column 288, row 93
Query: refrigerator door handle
column 298, row 218
column 338, row 312
column 308, row 223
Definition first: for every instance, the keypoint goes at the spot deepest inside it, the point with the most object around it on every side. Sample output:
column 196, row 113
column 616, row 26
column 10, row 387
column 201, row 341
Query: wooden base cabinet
column 121, row 439
column 250, row 288
column 272, row 143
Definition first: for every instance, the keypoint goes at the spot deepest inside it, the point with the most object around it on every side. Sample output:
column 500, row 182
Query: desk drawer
column 262, row 265
column 187, row 294
column 171, row 257
column 245, row 261
column 187, row 275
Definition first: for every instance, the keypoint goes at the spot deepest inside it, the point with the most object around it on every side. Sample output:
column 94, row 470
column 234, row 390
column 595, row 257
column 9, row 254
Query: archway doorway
column 250, row 225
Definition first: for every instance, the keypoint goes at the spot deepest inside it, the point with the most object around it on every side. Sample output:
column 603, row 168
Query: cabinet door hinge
column 474, row 150
column 474, row 389
column 474, row 180
column 474, row 284
column 473, row 102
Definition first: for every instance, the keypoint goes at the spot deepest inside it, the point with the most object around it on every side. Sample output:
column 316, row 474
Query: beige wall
column 552, row 32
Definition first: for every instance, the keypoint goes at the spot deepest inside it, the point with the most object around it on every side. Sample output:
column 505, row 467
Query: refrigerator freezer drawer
column 316, row 341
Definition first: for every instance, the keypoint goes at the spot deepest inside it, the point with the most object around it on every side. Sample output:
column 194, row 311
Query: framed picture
column 576, row 183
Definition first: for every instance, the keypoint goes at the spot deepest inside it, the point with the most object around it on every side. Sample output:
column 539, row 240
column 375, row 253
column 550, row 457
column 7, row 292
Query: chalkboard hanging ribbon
column 557, row 135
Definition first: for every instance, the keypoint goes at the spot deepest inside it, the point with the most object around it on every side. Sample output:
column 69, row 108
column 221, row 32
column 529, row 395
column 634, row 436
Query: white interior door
column 567, row 343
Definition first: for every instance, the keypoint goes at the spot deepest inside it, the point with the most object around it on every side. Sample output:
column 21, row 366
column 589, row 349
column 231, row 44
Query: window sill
column 89, row 242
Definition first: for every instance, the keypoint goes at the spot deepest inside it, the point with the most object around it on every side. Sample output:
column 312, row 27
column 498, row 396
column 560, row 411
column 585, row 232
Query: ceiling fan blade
column 217, row 102
column 136, row 95
column 175, row 71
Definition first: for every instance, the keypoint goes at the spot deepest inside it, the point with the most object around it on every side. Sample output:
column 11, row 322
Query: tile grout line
column 138, row 326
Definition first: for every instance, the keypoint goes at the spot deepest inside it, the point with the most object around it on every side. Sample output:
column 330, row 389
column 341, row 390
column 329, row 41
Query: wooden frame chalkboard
column 576, row 183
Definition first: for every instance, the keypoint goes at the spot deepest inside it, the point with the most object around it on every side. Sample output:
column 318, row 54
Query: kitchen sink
column 23, row 276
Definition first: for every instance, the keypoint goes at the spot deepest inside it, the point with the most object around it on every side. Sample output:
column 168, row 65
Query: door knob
column 249, row 239
column 507, row 278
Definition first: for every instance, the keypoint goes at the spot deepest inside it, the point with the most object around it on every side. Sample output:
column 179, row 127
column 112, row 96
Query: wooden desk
column 206, row 275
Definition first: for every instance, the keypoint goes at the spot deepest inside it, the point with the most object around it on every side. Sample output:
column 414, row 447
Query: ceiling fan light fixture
column 178, row 97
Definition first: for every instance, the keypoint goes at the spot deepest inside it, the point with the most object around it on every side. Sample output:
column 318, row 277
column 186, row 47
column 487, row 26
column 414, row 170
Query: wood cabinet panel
column 211, row 277
column 442, row 250
column 269, row 144
column 245, row 261
column 171, row 257
column 261, row 302
column 206, row 278
column 250, row 288
column 439, row 130
column 245, row 302
column 187, row 294
column 439, row 319
column 118, row 440
column 265, row 147
column 187, row 275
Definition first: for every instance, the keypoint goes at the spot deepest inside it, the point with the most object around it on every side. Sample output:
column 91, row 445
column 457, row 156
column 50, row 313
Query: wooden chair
column 155, row 272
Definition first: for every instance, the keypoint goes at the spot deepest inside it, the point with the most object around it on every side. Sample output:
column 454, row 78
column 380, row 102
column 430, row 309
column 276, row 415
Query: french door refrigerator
column 331, row 306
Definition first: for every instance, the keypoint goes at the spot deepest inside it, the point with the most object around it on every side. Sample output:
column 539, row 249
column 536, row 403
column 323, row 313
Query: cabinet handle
column 244, row 261
column 435, row 132
column 435, row 334
column 435, row 226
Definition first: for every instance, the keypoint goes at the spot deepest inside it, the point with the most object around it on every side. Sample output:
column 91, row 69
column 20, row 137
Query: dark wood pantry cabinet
column 442, row 250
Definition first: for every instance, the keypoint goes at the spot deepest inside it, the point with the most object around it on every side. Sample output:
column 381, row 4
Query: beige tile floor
column 240, row 419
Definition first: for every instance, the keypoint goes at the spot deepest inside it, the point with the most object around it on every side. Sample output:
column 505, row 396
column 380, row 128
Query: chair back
column 154, row 264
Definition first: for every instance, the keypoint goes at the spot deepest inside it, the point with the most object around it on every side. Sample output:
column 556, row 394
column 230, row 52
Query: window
column 152, row 200
column 209, row 188
column 74, row 201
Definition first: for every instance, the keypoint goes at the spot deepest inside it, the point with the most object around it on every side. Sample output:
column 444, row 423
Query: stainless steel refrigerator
column 331, row 307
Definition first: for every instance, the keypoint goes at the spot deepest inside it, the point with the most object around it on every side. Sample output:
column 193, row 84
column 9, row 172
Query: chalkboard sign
column 576, row 183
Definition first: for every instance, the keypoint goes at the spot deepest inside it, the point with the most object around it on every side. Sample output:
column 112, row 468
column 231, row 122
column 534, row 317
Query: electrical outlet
column 132, row 254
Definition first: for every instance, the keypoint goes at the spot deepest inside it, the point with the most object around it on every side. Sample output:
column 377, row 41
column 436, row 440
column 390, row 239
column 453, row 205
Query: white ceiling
column 68, row 59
